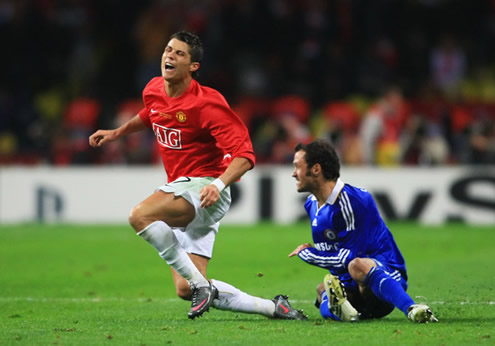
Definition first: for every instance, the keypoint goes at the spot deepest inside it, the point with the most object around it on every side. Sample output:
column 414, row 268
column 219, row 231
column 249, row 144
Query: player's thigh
column 173, row 210
column 181, row 285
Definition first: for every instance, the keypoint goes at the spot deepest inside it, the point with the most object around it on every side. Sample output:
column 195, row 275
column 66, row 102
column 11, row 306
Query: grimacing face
column 176, row 61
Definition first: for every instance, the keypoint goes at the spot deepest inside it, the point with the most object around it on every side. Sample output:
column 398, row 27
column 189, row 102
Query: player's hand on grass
column 299, row 249
column 100, row 137
column 208, row 196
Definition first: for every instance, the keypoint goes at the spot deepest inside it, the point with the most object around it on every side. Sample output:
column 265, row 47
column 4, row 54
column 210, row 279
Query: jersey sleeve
column 144, row 115
column 335, row 261
column 230, row 132
column 349, row 216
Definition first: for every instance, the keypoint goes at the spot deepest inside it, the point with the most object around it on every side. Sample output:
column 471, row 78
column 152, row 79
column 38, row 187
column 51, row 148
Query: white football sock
column 163, row 239
column 233, row 299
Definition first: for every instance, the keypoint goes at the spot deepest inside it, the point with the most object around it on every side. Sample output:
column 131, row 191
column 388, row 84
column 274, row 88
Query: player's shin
column 233, row 299
column 163, row 239
column 388, row 289
column 325, row 308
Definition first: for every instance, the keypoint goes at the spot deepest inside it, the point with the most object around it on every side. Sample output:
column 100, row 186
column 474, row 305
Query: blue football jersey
column 347, row 226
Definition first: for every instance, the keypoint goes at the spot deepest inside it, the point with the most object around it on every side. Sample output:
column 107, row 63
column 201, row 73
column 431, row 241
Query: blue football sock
column 324, row 310
column 387, row 289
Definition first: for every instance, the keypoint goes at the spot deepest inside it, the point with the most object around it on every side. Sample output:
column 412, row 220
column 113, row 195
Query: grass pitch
column 103, row 285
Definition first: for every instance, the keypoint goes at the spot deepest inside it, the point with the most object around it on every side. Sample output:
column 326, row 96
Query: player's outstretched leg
column 231, row 298
column 283, row 310
column 201, row 300
column 338, row 304
column 420, row 313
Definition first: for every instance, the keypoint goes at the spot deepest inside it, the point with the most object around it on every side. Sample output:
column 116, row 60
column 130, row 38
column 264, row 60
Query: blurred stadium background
column 403, row 84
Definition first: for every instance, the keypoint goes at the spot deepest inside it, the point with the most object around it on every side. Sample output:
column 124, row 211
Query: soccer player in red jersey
column 205, row 147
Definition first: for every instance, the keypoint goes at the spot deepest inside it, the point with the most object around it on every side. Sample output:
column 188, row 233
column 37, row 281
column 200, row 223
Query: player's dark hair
column 322, row 152
column 195, row 46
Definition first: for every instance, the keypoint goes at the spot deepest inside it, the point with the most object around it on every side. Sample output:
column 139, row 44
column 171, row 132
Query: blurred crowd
column 388, row 82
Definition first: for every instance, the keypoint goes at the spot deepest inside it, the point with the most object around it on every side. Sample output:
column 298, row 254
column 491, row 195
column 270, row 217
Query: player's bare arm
column 299, row 249
column 100, row 137
column 210, row 193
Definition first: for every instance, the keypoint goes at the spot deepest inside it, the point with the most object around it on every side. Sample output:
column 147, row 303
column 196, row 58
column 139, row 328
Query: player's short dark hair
column 195, row 46
column 322, row 152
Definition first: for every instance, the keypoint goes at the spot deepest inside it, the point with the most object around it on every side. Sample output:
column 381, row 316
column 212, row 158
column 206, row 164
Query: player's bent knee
column 137, row 219
column 133, row 219
column 359, row 267
column 355, row 265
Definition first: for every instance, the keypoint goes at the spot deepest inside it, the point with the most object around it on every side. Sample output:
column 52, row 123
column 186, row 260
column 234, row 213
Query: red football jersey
column 198, row 133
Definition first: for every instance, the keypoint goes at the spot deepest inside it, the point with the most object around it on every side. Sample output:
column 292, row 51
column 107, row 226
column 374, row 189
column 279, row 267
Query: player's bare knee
column 358, row 268
column 137, row 219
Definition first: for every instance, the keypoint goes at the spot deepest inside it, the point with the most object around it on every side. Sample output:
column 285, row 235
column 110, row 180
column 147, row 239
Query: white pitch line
column 426, row 302
column 83, row 300
column 170, row 300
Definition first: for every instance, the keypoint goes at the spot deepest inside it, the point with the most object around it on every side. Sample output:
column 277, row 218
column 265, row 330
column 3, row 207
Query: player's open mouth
column 169, row 66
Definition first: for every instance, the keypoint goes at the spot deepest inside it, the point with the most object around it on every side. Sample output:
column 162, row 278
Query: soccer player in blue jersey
column 368, row 277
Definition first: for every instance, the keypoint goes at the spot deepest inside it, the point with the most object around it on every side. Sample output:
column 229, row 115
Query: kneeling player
column 368, row 277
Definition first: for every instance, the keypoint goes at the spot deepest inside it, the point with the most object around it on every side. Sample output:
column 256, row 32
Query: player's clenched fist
column 208, row 196
column 100, row 137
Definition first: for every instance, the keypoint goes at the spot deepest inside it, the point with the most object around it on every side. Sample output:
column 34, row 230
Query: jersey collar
column 339, row 185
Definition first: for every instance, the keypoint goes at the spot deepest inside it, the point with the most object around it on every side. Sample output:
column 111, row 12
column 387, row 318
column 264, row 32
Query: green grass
column 103, row 285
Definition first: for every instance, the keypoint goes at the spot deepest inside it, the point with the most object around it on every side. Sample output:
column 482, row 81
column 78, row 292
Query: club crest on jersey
column 329, row 234
column 181, row 117
column 167, row 137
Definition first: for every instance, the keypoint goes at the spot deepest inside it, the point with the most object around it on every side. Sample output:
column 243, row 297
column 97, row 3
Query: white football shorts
column 198, row 237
